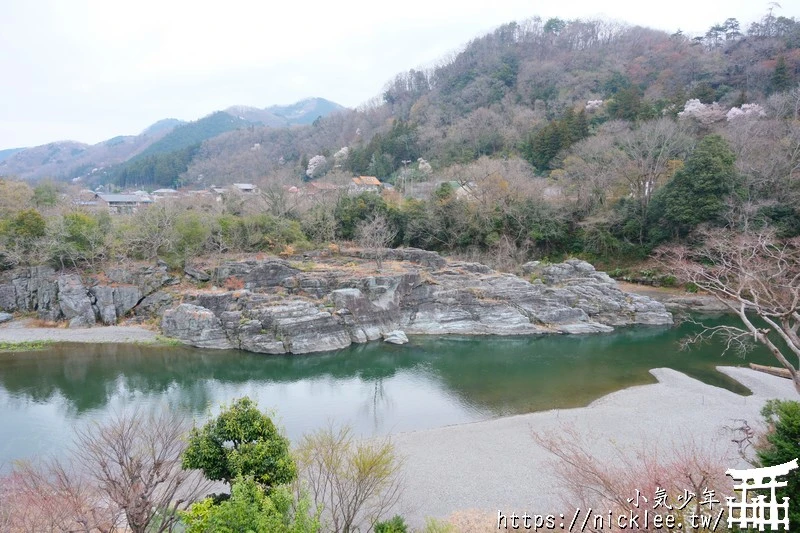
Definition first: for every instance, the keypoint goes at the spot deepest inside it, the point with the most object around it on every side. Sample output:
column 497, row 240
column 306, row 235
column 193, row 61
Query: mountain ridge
column 65, row 159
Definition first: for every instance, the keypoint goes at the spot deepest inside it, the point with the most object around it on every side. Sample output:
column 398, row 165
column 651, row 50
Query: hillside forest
column 542, row 139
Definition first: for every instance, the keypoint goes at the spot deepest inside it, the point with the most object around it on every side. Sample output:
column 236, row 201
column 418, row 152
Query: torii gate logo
column 758, row 511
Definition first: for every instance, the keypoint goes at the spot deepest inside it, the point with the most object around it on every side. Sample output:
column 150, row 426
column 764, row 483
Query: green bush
column 395, row 525
column 250, row 508
column 668, row 281
column 241, row 441
column 783, row 445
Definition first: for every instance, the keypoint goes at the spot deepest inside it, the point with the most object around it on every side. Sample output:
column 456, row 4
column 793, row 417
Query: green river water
column 376, row 388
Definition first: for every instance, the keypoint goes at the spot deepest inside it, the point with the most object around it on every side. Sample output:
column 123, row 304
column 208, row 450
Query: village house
column 165, row 193
column 365, row 184
column 320, row 188
column 122, row 203
column 246, row 188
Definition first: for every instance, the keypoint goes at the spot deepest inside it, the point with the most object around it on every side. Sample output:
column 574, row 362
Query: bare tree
column 611, row 482
column 651, row 151
column 53, row 497
column 374, row 235
column 135, row 460
column 753, row 274
column 591, row 171
column 152, row 230
column 352, row 483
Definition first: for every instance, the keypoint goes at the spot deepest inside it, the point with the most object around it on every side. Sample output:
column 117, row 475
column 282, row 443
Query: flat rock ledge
column 284, row 309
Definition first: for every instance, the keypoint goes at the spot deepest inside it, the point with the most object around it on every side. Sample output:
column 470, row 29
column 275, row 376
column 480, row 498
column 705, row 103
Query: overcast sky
column 89, row 70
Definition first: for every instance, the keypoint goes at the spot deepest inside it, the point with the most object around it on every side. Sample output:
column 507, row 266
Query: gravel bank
column 18, row 332
column 495, row 464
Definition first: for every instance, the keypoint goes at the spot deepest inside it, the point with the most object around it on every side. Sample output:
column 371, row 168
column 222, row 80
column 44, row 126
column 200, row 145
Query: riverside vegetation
column 148, row 472
column 540, row 139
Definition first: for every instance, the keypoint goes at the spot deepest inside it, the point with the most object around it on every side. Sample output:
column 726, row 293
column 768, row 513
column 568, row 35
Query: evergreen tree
column 781, row 78
column 241, row 441
column 783, row 445
column 626, row 104
column 697, row 193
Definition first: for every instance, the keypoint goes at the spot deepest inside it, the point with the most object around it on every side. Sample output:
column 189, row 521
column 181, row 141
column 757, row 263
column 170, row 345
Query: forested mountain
column 165, row 124
column 305, row 111
column 5, row 154
column 302, row 112
column 512, row 92
column 540, row 139
column 604, row 133
column 69, row 159
column 163, row 144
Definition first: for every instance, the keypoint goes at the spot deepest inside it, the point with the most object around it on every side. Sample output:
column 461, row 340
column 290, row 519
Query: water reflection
column 376, row 388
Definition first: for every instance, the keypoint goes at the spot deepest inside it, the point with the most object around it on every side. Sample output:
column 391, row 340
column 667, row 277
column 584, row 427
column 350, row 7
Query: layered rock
column 197, row 325
column 286, row 310
column 66, row 296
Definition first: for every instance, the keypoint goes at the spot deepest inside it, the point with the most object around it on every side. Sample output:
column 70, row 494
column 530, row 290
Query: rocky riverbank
column 285, row 309
column 278, row 306
column 679, row 301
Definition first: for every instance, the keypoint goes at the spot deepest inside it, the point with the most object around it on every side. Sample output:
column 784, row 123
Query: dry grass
column 233, row 284
column 42, row 323
column 473, row 521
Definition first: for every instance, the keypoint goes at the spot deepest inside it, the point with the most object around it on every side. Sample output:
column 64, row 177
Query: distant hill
column 305, row 111
column 511, row 92
column 5, row 154
column 297, row 114
column 256, row 115
column 69, row 159
column 165, row 124
column 195, row 132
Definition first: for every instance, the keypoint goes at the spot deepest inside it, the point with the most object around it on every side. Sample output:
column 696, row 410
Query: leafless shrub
column 354, row 483
column 612, row 484
column 374, row 235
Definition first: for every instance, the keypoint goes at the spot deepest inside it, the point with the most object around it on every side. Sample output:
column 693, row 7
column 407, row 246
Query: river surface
column 376, row 388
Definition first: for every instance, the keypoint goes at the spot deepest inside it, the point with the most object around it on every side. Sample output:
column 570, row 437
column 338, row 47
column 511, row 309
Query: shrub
column 395, row 525
column 781, row 446
column 355, row 482
column 250, row 508
column 241, row 441
column 233, row 284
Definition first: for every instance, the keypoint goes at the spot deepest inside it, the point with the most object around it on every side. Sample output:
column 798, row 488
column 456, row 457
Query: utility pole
column 405, row 171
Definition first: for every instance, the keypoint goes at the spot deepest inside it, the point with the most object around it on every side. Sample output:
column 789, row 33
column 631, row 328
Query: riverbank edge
column 18, row 331
column 477, row 469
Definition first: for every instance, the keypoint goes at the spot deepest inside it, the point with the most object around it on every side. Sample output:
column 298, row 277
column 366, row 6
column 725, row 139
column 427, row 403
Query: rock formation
column 283, row 309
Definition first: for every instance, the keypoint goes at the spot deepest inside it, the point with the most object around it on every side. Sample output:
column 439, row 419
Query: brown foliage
column 233, row 284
